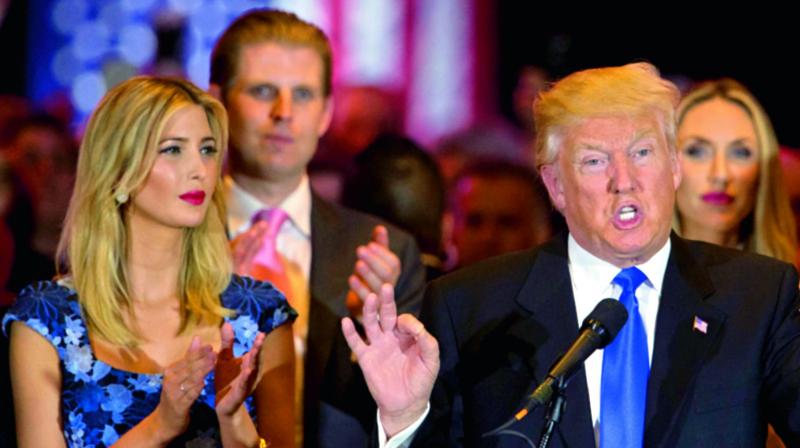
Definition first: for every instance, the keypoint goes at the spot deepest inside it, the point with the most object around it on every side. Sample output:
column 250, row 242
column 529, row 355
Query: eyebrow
column 275, row 85
column 184, row 139
column 647, row 133
column 697, row 139
column 256, row 84
column 590, row 147
column 741, row 140
column 705, row 141
column 644, row 134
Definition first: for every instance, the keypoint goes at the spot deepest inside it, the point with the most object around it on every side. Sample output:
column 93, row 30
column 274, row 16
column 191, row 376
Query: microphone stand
column 556, row 400
column 597, row 331
column 555, row 409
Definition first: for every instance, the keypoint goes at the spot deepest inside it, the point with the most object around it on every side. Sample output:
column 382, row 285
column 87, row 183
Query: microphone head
column 606, row 319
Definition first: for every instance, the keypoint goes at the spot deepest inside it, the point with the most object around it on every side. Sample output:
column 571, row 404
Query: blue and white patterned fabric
column 99, row 402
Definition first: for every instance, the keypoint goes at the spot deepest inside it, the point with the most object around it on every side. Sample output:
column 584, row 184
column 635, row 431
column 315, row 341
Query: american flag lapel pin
column 700, row 325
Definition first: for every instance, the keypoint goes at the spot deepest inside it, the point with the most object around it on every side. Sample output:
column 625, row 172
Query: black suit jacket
column 338, row 409
column 502, row 323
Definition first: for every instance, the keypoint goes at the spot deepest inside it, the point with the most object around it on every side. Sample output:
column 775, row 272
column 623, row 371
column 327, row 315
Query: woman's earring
column 122, row 198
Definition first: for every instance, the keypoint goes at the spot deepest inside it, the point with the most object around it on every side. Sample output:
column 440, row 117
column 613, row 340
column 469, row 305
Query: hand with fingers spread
column 236, row 378
column 182, row 384
column 376, row 265
column 400, row 360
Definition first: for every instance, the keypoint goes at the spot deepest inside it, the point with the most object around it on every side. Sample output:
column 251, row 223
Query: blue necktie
column 623, row 391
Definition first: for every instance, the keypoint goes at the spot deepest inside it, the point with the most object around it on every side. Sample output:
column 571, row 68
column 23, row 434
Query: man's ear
column 551, row 178
column 327, row 116
column 216, row 91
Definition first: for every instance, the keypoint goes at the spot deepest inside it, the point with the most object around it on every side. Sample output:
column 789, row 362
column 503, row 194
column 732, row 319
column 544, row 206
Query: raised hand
column 400, row 360
column 236, row 378
column 246, row 246
column 182, row 384
column 376, row 265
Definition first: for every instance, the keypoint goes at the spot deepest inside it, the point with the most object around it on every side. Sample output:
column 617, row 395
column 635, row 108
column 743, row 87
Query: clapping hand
column 182, row 384
column 236, row 378
column 376, row 265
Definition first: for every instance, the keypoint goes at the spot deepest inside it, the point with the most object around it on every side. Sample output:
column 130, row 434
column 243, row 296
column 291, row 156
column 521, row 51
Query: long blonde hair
column 770, row 227
column 116, row 155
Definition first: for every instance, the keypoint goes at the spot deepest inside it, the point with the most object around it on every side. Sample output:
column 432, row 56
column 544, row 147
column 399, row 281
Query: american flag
column 700, row 325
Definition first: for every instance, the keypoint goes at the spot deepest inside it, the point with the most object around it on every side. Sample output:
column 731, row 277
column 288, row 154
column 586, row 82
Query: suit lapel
column 327, row 288
column 552, row 326
column 679, row 348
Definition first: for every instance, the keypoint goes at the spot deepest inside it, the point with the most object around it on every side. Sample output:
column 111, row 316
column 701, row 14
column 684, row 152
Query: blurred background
column 440, row 65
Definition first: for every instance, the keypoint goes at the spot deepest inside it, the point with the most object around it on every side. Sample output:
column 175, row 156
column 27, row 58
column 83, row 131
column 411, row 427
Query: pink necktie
column 267, row 255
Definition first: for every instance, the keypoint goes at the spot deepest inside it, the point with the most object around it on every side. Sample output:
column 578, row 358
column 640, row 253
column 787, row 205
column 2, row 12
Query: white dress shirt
column 591, row 282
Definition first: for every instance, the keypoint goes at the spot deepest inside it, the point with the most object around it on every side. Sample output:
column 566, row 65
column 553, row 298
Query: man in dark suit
column 710, row 351
column 273, row 73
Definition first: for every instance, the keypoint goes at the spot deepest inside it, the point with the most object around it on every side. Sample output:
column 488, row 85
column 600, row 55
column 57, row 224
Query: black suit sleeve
column 443, row 426
column 782, row 368
column 411, row 284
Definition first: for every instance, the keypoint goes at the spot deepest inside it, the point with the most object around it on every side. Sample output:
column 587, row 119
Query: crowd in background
column 472, row 195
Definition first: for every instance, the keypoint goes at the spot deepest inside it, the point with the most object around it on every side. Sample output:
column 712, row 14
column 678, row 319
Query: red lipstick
column 194, row 197
column 717, row 198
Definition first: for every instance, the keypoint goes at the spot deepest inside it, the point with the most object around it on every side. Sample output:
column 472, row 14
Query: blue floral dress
column 100, row 403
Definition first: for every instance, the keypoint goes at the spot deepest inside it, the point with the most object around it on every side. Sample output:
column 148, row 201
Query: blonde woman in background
column 148, row 339
column 731, row 193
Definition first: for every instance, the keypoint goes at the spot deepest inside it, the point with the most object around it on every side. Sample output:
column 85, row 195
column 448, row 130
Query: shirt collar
column 243, row 205
column 599, row 273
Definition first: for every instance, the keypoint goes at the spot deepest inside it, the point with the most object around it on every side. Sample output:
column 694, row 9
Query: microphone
column 598, row 330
